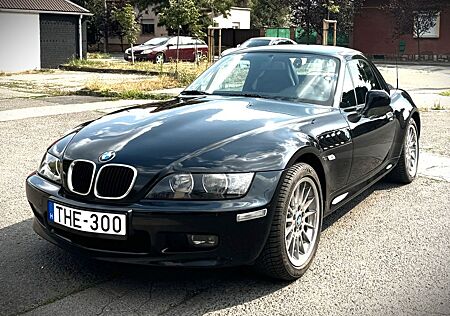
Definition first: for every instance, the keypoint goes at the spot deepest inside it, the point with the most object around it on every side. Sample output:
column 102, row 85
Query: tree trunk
column 132, row 54
column 178, row 52
column 418, row 46
column 308, row 32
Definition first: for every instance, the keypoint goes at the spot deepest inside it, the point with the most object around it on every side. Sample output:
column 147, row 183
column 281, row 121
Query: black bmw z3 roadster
column 240, row 169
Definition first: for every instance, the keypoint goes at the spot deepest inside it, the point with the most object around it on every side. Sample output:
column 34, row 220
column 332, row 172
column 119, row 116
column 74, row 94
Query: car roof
column 301, row 48
column 267, row 37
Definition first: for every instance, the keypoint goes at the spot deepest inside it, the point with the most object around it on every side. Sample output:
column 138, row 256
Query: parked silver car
column 259, row 41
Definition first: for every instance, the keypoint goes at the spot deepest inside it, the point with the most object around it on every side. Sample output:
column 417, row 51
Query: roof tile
column 42, row 5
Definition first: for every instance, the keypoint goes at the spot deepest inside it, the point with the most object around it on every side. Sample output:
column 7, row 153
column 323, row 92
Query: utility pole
column 105, row 27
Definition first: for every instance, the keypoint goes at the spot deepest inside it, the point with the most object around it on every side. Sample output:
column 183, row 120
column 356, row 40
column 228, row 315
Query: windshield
column 289, row 76
column 157, row 41
column 256, row 42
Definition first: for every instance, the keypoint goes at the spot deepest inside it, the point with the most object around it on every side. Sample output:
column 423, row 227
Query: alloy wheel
column 302, row 222
column 411, row 151
column 159, row 59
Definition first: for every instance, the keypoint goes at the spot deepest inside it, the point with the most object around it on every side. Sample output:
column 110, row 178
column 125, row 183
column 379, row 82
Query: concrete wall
column 20, row 42
column 373, row 34
column 238, row 18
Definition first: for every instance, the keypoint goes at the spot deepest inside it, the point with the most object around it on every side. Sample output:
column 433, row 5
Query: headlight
column 147, row 51
column 50, row 168
column 58, row 147
column 210, row 186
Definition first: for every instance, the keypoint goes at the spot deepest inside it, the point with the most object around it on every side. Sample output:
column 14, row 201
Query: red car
column 162, row 49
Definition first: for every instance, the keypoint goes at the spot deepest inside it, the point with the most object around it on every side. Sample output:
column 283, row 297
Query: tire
column 277, row 259
column 160, row 58
column 403, row 172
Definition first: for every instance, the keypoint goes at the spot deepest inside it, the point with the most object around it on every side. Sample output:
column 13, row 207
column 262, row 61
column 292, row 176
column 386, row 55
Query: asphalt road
column 387, row 252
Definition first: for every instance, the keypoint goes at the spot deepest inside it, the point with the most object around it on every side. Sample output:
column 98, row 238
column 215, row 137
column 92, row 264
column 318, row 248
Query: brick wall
column 373, row 31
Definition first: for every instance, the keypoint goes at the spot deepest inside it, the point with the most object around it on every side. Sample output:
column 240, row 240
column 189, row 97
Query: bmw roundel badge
column 107, row 156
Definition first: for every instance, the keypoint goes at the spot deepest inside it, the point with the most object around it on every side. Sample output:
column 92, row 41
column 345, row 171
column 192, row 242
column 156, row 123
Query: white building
column 40, row 34
column 237, row 18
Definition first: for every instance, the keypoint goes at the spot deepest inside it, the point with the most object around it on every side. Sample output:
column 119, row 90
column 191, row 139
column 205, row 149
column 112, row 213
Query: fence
column 301, row 36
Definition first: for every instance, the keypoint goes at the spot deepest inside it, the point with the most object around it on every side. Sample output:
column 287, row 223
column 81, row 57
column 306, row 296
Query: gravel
column 386, row 252
column 435, row 134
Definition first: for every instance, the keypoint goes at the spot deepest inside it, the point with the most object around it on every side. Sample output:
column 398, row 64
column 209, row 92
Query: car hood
column 143, row 47
column 179, row 132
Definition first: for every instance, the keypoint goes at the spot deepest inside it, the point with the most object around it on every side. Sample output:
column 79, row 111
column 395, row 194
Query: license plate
column 87, row 221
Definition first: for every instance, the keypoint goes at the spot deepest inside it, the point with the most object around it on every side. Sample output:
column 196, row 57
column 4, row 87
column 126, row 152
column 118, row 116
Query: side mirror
column 238, row 45
column 375, row 99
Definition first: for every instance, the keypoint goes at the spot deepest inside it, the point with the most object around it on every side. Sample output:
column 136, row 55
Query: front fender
column 404, row 109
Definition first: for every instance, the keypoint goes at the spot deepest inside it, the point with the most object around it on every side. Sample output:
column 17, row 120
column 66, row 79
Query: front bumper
column 139, row 57
column 157, row 231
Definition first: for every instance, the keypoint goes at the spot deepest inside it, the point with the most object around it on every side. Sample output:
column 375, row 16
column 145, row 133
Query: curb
column 410, row 63
column 114, row 71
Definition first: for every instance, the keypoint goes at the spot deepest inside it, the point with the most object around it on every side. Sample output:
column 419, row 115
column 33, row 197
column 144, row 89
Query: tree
column 269, row 13
column 130, row 29
column 181, row 13
column 309, row 14
column 207, row 9
column 415, row 17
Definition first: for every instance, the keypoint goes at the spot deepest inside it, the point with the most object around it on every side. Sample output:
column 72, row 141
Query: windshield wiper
column 195, row 92
column 247, row 95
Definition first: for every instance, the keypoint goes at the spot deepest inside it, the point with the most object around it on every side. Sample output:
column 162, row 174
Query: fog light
column 203, row 240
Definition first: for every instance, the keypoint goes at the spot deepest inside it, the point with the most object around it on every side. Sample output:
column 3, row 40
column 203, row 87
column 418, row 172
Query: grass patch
column 98, row 55
column 186, row 69
column 445, row 93
column 437, row 106
column 137, row 89
column 28, row 72
column 127, row 95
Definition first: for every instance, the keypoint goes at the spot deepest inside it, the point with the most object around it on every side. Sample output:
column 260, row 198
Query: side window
column 182, row 41
column 348, row 91
column 172, row 41
column 363, row 78
column 189, row 41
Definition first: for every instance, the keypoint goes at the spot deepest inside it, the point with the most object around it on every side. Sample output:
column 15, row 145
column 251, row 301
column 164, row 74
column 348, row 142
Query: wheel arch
column 311, row 156
column 416, row 117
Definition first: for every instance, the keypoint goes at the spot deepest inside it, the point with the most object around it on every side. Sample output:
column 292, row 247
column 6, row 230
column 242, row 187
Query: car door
column 373, row 133
column 189, row 49
column 171, row 51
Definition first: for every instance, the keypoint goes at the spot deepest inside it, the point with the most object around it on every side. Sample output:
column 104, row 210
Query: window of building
column 421, row 21
column 364, row 79
column 148, row 28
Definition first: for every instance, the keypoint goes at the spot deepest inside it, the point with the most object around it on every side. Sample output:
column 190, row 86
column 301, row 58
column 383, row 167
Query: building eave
column 45, row 12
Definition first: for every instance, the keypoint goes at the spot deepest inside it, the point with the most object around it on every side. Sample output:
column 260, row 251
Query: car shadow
column 36, row 273
column 335, row 216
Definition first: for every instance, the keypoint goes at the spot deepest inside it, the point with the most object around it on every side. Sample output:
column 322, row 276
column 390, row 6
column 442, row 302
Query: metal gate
column 59, row 39
column 278, row 32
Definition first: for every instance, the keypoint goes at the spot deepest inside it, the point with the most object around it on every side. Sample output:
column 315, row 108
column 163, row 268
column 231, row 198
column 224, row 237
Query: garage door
column 59, row 39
